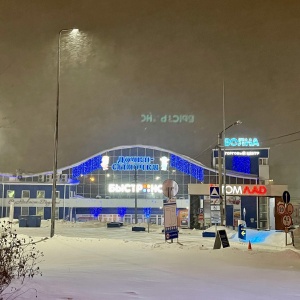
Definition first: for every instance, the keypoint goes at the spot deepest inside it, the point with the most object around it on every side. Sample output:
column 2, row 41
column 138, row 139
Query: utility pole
column 135, row 196
column 55, row 149
column 222, row 189
column 220, row 176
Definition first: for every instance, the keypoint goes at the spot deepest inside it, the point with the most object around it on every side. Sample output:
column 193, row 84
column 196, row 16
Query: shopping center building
column 118, row 183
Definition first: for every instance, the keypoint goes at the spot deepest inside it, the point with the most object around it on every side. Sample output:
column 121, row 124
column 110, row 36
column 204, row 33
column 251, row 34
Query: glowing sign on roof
column 129, row 163
column 241, row 142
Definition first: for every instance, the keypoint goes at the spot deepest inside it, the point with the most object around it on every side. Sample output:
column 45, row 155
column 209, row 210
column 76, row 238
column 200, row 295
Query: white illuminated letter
column 159, row 188
column 127, row 188
column 111, row 188
column 237, row 190
column 228, row 189
column 139, row 187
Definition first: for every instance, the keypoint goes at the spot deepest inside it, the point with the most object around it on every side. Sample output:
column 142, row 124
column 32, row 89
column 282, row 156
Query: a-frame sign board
column 221, row 239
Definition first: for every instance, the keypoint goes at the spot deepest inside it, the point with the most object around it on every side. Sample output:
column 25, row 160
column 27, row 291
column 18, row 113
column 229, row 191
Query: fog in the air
column 148, row 72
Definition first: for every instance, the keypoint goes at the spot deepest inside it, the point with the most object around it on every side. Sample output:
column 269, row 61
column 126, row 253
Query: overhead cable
column 281, row 136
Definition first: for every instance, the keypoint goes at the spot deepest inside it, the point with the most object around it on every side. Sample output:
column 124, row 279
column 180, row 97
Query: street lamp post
column 56, row 134
column 223, row 199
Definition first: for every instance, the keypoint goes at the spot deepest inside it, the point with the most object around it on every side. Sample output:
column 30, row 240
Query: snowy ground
column 90, row 261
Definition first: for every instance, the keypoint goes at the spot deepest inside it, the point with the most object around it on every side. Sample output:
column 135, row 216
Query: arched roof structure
column 187, row 161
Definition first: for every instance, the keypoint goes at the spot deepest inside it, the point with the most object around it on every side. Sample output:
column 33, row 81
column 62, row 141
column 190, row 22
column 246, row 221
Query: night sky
column 157, row 58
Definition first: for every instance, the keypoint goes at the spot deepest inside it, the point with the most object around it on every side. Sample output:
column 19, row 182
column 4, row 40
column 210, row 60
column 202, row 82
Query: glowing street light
column 72, row 31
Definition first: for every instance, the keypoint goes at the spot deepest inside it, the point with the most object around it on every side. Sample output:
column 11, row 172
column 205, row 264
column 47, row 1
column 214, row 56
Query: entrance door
column 249, row 211
column 272, row 213
column 229, row 215
column 263, row 213
column 194, row 211
column 278, row 218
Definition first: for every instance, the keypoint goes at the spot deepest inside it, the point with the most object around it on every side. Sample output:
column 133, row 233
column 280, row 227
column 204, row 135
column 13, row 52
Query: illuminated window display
column 106, row 185
column 150, row 167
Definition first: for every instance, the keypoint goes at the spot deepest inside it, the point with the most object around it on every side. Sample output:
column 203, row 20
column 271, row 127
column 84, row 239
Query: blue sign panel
column 214, row 192
column 171, row 233
column 170, row 220
column 242, row 232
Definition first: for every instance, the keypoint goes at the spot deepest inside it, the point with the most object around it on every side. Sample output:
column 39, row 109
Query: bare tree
column 19, row 260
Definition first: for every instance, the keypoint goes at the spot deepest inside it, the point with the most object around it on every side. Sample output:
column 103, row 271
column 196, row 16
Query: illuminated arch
column 178, row 161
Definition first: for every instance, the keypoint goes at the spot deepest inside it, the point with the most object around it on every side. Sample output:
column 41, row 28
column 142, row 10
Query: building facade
column 125, row 181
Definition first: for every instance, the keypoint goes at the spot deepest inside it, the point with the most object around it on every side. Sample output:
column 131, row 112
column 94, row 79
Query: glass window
column 132, row 152
column 263, row 161
column 25, row 194
column 239, row 180
column 10, row 194
column 33, row 210
column 24, row 211
column 217, row 161
column 40, row 211
column 212, row 179
column 40, row 194
column 57, row 194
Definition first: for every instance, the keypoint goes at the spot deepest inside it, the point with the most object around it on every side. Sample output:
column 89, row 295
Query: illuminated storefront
column 109, row 183
column 242, row 203
column 245, row 156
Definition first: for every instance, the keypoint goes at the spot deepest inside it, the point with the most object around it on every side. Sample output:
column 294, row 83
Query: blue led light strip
column 241, row 164
column 186, row 167
column 121, row 211
column 147, row 212
column 87, row 167
column 95, row 211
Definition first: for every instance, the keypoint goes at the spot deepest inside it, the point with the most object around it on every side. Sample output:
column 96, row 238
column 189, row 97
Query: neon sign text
column 245, row 190
column 149, row 118
column 241, row 142
column 130, row 188
column 130, row 163
column 242, row 153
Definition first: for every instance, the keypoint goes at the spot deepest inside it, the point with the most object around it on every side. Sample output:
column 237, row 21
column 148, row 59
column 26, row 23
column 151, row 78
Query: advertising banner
column 170, row 217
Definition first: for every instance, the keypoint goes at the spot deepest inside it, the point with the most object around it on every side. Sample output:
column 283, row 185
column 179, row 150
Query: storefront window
column 40, row 211
column 24, row 211
column 40, row 194
column 25, row 194
column 122, row 175
column 10, row 194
